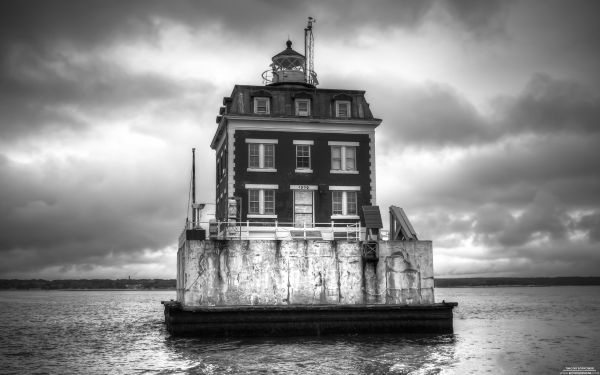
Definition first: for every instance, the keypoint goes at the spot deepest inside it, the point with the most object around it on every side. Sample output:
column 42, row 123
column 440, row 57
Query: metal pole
column 194, row 210
column 193, row 175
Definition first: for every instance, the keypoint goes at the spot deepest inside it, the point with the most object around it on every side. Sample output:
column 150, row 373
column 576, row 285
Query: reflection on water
column 347, row 354
column 497, row 330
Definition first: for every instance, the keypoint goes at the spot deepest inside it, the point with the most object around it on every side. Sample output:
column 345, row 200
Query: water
column 538, row 330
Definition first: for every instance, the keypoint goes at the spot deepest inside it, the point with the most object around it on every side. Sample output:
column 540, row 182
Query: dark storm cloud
column 51, row 216
column 545, row 215
column 60, row 90
column 95, row 22
column 548, row 105
column 41, row 84
column 591, row 224
column 482, row 18
column 431, row 115
column 525, row 173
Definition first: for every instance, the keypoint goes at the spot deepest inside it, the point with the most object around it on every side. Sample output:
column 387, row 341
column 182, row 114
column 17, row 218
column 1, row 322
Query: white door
column 303, row 208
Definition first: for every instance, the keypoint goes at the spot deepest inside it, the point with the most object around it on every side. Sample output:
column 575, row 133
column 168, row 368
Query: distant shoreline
column 89, row 284
column 484, row 282
column 170, row 284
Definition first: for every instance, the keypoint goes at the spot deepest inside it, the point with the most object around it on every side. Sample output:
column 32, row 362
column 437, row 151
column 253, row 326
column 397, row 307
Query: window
column 303, row 151
column 261, row 155
column 302, row 156
column 342, row 108
column 262, row 105
column 344, row 203
column 302, row 107
column 261, row 200
column 343, row 157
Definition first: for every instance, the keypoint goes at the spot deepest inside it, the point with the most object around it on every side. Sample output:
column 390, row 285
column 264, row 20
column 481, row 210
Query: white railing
column 275, row 230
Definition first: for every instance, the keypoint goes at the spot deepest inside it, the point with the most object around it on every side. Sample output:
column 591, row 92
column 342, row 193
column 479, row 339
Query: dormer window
column 302, row 107
column 262, row 105
column 342, row 108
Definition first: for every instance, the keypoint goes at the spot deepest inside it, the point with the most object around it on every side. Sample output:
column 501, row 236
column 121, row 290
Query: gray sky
column 490, row 135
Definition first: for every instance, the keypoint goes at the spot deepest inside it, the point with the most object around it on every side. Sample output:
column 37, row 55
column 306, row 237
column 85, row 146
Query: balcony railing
column 274, row 230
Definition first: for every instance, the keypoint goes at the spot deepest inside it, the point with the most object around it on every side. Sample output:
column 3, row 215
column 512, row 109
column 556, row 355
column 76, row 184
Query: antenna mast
column 309, row 51
column 193, row 175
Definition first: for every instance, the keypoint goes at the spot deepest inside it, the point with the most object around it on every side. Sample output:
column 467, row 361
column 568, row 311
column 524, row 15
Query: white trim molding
column 259, row 216
column 339, row 143
column 254, row 140
column 303, row 170
column 261, row 186
column 304, row 187
column 345, row 217
column 303, row 142
column 345, row 188
column 373, row 168
column 261, row 170
column 340, row 171
column 230, row 159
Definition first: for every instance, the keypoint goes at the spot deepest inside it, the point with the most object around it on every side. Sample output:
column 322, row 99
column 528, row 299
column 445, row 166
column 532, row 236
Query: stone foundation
column 303, row 272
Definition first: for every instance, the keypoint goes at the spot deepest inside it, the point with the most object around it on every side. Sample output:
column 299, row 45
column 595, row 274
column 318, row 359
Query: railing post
column 304, row 229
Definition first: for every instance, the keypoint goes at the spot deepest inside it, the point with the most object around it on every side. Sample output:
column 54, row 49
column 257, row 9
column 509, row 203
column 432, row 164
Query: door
column 303, row 208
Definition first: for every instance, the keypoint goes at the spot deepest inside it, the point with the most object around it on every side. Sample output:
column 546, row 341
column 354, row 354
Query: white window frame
column 267, row 105
column 346, row 103
column 262, row 143
column 344, row 146
column 261, row 189
column 345, row 191
column 307, row 169
column 297, row 105
column 310, row 143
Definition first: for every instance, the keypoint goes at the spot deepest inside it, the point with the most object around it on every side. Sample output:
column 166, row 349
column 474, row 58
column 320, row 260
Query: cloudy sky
column 490, row 135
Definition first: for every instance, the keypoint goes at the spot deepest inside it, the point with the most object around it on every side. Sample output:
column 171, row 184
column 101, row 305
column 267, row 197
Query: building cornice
column 297, row 119
column 220, row 127
column 299, row 124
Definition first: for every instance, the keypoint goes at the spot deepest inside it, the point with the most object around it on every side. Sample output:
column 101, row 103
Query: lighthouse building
column 295, row 245
column 291, row 155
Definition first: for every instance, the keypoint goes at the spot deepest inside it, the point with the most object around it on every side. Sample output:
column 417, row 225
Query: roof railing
column 289, row 76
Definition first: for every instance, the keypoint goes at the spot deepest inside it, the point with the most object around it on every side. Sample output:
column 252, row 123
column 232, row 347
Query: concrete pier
column 304, row 287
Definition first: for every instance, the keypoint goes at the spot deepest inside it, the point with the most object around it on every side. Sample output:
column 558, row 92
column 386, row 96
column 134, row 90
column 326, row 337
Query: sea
column 497, row 330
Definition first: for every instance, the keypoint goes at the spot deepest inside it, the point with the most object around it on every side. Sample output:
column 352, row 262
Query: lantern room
column 291, row 67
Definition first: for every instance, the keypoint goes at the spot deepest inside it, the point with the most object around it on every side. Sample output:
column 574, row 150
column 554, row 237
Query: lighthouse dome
column 287, row 67
column 288, row 58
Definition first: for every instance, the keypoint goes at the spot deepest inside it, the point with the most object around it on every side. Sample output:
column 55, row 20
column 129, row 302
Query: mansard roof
column 240, row 104
column 282, row 101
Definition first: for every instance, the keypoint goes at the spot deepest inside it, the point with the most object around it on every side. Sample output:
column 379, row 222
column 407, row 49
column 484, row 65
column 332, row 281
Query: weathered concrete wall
column 225, row 273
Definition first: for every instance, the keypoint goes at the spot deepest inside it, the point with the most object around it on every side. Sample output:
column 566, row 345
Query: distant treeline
column 89, row 284
column 170, row 283
column 515, row 281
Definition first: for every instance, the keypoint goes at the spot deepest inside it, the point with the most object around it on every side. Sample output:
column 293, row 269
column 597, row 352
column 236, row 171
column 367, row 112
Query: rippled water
column 497, row 330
